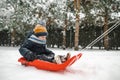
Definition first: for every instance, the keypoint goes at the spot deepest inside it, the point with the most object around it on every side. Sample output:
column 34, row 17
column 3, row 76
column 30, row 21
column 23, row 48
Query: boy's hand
column 30, row 56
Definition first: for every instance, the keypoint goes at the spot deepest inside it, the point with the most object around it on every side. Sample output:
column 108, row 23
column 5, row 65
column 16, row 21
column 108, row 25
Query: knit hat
column 42, row 22
column 40, row 30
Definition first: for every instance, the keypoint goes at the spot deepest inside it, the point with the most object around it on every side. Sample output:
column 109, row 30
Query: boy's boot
column 61, row 58
column 57, row 59
column 68, row 56
column 65, row 58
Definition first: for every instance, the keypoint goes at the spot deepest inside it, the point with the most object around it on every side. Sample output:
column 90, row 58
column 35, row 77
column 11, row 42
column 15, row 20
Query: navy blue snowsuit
column 32, row 50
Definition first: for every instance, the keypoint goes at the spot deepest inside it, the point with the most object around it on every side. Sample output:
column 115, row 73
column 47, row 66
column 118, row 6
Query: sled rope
column 103, row 35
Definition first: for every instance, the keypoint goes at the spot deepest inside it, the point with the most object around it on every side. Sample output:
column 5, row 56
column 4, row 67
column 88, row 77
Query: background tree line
column 70, row 23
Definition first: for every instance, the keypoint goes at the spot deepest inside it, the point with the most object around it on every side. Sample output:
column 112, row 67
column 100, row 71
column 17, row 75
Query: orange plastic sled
column 40, row 64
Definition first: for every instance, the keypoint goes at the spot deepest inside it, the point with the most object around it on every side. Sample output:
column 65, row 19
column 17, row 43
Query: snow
column 93, row 65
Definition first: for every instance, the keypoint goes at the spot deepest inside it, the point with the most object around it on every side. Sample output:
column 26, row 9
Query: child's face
column 42, row 37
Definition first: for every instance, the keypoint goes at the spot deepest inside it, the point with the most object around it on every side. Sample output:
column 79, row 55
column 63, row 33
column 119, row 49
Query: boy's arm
column 50, row 54
column 25, row 51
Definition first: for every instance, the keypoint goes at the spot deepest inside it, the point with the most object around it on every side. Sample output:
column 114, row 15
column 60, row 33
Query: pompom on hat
column 40, row 30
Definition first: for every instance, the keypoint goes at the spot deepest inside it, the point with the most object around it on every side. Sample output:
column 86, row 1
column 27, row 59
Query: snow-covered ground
column 93, row 65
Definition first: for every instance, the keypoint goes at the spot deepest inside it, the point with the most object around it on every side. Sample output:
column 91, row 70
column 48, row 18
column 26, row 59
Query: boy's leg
column 45, row 57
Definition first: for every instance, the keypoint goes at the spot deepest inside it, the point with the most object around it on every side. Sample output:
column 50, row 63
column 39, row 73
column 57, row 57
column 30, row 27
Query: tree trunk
column 77, row 10
column 65, row 27
column 106, row 38
column 64, row 35
column 13, row 37
column 77, row 32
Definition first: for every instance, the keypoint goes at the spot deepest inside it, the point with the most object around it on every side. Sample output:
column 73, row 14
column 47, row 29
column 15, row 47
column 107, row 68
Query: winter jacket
column 33, row 48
